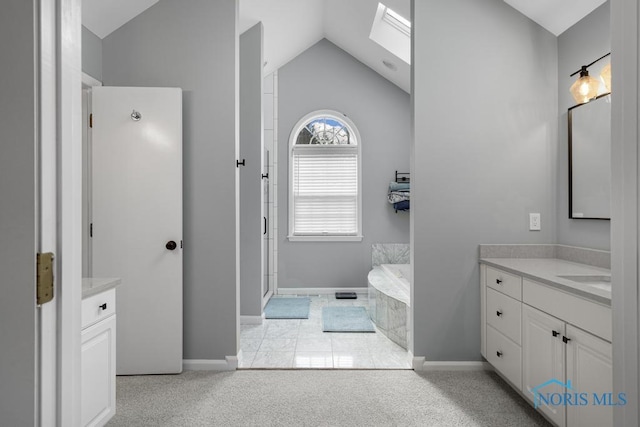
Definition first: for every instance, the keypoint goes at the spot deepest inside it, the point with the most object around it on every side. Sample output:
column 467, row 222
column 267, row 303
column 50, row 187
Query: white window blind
column 325, row 191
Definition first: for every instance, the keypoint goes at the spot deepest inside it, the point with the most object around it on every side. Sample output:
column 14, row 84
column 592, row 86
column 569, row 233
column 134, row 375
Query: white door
column 590, row 369
column 543, row 357
column 137, row 221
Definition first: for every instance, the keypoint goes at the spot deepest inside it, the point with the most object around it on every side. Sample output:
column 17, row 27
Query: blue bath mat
column 346, row 319
column 287, row 308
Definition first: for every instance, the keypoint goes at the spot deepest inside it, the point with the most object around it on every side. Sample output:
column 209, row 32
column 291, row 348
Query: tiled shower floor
column 284, row 343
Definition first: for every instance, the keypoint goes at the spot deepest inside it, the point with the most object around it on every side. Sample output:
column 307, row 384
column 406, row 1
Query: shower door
column 265, row 225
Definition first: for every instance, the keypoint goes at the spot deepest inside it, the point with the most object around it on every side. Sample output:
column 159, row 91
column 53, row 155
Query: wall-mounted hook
column 136, row 116
column 240, row 163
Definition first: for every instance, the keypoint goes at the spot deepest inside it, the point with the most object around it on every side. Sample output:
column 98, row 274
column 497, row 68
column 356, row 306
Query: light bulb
column 585, row 88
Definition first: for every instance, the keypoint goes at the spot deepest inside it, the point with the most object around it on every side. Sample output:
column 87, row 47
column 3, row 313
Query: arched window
column 324, row 179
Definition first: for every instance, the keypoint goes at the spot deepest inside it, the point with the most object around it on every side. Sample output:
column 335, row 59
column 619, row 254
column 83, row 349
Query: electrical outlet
column 534, row 222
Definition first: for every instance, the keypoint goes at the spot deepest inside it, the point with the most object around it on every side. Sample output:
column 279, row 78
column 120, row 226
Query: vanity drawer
column 505, row 356
column 504, row 314
column 507, row 283
column 98, row 307
column 580, row 312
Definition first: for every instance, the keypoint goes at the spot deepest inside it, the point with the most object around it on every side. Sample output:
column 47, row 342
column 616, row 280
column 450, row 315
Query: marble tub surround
column 389, row 306
column 588, row 256
column 94, row 285
column 548, row 270
column 389, row 253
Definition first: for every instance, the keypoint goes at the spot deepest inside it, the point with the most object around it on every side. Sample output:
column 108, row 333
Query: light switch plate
column 534, row 222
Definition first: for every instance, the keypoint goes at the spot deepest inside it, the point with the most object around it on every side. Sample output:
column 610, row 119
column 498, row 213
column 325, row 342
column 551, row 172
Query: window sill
column 325, row 238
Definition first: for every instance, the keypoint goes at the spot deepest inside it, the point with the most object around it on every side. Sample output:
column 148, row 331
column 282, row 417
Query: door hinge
column 44, row 281
column 90, row 120
column 91, row 230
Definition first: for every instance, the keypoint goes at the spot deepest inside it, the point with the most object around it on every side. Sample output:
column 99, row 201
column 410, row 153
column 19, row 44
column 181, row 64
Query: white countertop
column 95, row 285
column 547, row 270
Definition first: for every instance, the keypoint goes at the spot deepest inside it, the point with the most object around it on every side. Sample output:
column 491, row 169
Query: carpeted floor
column 321, row 398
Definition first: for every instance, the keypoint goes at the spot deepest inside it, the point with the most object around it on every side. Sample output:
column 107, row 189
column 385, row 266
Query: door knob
column 171, row 245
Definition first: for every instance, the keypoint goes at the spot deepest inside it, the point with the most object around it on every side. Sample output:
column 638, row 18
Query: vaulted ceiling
column 292, row 26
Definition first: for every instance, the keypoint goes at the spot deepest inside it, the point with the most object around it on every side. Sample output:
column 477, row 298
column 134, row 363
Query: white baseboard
column 455, row 366
column 251, row 320
column 417, row 363
column 319, row 291
column 420, row 364
column 230, row 364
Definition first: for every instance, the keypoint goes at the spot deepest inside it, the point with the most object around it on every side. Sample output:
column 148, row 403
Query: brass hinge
column 44, row 285
column 90, row 120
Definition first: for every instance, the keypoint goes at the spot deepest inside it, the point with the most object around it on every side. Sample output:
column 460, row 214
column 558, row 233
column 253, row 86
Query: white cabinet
column 98, row 354
column 589, row 368
column 543, row 355
column 540, row 338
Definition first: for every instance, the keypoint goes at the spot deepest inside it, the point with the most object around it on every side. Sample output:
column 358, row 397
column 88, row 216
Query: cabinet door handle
column 555, row 333
column 498, row 281
column 499, row 353
column 103, row 306
column 565, row 339
column 498, row 313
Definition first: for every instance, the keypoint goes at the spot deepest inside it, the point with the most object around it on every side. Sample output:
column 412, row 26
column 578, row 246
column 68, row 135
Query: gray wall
column 18, row 120
column 326, row 77
column 192, row 44
column 581, row 44
column 91, row 54
column 251, row 132
column 484, row 156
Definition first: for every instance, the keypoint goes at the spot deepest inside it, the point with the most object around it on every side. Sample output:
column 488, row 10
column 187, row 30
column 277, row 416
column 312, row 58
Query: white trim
column 320, row 291
column 625, row 210
column 251, row 320
column 47, row 174
column 454, row 366
column 417, row 363
column 420, row 364
column 265, row 299
column 89, row 81
column 325, row 238
column 69, row 194
column 230, row 364
column 358, row 146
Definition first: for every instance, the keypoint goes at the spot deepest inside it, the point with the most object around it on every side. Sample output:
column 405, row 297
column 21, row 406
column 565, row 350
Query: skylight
column 392, row 31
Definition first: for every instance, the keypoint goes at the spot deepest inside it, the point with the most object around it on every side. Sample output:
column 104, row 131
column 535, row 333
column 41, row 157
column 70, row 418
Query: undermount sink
column 600, row 282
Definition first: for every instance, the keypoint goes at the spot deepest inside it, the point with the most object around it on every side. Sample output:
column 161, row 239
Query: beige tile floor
column 301, row 344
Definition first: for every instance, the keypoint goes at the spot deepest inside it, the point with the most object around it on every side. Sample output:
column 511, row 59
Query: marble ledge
column 548, row 270
column 94, row 285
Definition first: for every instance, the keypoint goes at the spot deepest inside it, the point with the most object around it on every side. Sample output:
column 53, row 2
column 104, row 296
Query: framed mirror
column 590, row 159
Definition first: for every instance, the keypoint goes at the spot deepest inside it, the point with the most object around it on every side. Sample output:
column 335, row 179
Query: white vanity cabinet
column 98, row 357
column 559, row 337
column 589, row 367
column 543, row 357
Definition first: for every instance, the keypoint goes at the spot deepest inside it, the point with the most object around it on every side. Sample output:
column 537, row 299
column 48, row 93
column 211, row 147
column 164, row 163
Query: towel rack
column 403, row 176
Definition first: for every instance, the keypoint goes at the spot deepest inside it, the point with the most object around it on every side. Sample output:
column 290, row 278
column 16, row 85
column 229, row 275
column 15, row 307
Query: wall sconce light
column 586, row 87
column 605, row 75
